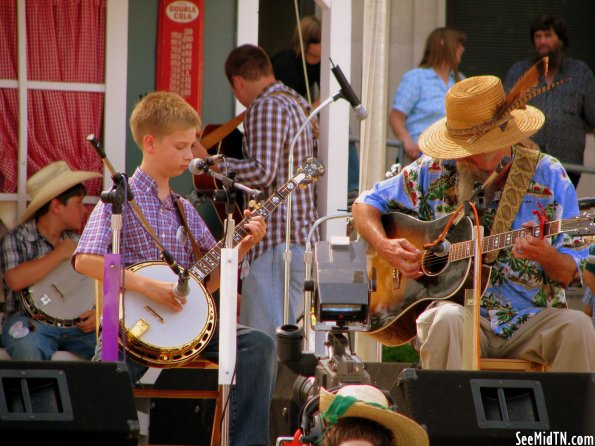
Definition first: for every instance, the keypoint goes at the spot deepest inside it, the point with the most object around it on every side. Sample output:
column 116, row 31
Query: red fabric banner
column 180, row 49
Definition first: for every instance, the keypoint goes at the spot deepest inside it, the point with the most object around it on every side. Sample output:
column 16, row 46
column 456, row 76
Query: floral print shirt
column 518, row 288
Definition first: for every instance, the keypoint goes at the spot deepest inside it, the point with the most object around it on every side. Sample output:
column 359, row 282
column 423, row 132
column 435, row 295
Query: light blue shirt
column 420, row 96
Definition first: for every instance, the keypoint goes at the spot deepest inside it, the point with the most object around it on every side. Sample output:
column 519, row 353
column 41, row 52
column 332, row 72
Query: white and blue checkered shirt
column 272, row 120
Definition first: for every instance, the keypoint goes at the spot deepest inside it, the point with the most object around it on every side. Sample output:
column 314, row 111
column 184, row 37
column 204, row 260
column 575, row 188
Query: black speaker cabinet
column 498, row 408
column 73, row 402
column 185, row 421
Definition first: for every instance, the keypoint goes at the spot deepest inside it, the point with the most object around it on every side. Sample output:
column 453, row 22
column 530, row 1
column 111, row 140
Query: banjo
column 60, row 297
column 156, row 336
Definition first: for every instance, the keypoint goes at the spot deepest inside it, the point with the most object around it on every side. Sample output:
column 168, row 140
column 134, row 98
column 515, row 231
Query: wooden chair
column 493, row 364
column 513, row 365
column 143, row 391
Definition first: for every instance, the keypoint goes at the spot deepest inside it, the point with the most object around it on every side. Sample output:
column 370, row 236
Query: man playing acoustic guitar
column 43, row 241
column 523, row 308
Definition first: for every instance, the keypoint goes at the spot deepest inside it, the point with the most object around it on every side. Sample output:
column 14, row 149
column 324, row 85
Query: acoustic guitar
column 398, row 301
column 223, row 139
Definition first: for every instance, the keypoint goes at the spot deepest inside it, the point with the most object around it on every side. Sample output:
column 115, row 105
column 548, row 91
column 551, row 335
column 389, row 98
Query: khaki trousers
column 562, row 339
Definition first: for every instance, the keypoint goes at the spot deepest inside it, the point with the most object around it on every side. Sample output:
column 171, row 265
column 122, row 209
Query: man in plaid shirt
column 274, row 115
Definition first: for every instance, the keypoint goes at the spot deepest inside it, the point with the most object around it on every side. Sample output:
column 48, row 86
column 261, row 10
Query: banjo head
column 157, row 335
column 60, row 297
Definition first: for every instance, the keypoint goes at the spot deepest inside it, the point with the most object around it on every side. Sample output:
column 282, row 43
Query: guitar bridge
column 139, row 328
column 396, row 279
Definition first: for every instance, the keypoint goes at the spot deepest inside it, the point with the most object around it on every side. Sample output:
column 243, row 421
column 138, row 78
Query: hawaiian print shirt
column 518, row 288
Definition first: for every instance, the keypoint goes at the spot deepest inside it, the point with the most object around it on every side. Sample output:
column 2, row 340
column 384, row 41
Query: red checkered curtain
column 65, row 43
column 8, row 97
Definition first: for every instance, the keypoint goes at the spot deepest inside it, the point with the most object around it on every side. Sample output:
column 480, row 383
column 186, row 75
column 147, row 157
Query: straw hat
column 8, row 214
column 50, row 182
column 471, row 105
column 364, row 401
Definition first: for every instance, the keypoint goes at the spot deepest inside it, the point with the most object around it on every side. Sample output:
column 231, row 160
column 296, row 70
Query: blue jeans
column 256, row 375
column 263, row 289
column 36, row 341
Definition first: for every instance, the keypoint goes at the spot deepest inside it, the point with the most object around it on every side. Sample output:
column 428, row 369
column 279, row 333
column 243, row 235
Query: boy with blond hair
column 164, row 126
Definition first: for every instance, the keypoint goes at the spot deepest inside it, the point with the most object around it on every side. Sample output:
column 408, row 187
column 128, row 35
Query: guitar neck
column 463, row 250
column 210, row 261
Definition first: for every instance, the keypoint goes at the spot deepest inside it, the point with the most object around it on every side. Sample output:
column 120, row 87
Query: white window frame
column 114, row 89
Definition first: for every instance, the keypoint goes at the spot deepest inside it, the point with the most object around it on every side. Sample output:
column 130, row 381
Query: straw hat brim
column 436, row 142
column 406, row 431
column 55, row 187
column 8, row 214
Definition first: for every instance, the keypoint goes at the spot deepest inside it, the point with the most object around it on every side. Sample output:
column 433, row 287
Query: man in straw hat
column 45, row 238
column 524, row 306
column 360, row 415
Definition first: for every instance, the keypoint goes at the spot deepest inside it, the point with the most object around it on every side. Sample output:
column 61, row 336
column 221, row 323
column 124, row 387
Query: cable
column 477, row 288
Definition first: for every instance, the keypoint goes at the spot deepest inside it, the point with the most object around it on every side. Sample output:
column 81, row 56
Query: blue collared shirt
column 420, row 96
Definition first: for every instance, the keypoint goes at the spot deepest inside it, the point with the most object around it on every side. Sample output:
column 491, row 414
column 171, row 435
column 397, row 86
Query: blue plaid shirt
column 136, row 244
column 22, row 244
column 272, row 120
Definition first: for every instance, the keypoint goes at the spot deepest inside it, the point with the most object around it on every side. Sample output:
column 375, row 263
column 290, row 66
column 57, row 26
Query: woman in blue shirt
column 419, row 100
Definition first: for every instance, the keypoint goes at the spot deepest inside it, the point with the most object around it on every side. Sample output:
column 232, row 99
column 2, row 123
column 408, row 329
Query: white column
column 334, row 120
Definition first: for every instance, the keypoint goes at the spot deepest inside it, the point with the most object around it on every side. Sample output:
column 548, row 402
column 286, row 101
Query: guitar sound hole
column 432, row 265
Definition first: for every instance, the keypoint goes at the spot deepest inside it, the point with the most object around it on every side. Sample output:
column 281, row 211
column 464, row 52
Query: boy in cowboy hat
column 164, row 127
column 45, row 238
column 360, row 415
column 524, row 306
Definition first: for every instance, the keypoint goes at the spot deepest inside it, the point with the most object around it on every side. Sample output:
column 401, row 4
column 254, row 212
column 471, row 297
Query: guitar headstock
column 309, row 172
column 583, row 224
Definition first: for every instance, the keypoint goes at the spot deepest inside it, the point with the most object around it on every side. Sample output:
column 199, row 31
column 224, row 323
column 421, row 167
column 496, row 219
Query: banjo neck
column 211, row 260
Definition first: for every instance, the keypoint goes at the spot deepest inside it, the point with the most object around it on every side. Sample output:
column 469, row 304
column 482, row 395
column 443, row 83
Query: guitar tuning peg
column 299, row 170
column 303, row 186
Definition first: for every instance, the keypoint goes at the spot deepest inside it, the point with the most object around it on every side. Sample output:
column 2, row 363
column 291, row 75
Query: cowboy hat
column 49, row 182
column 8, row 214
column 472, row 125
column 364, row 401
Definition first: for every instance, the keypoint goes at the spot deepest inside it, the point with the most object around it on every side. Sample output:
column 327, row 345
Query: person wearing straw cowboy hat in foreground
column 359, row 415
column 523, row 308
column 43, row 240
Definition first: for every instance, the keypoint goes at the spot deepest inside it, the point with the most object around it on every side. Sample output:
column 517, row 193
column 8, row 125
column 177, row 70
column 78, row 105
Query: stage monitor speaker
column 75, row 402
column 186, row 421
column 497, row 408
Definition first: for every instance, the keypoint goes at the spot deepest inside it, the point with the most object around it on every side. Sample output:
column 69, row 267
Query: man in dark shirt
column 570, row 108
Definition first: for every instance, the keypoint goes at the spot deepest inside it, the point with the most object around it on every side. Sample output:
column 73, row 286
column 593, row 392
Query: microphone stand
column 309, row 288
column 112, row 273
column 287, row 252
column 228, row 294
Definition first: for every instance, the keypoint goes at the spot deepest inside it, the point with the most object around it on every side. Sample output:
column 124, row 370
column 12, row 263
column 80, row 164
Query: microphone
column 360, row 111
column 441, row 249
column 199, row 165
column 181, row 289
